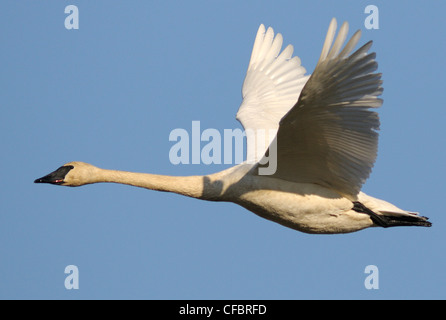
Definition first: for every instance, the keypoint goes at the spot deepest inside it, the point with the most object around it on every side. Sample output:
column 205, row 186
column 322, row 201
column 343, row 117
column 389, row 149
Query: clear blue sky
column 110, row 93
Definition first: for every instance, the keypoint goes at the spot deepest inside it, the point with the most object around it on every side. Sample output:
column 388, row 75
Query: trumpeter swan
column 325, row 143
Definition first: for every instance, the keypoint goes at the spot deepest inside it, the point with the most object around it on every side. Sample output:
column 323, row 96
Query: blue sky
column 110, row 93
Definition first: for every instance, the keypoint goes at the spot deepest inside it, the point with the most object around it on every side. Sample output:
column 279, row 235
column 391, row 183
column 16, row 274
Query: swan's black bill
column 55, row 177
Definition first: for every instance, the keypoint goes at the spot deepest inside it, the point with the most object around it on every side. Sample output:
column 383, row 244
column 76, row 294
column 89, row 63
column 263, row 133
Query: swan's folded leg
column 393, row 220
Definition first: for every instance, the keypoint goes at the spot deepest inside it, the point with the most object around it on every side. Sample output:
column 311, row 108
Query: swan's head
column 72, row 174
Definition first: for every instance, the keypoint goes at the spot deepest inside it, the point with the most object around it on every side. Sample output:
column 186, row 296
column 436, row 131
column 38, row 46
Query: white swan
column 325, row 143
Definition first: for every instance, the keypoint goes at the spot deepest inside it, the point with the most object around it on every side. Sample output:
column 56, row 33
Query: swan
column 319, row 130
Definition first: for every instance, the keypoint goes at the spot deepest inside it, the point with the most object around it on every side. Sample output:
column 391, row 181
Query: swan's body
column 319, row 127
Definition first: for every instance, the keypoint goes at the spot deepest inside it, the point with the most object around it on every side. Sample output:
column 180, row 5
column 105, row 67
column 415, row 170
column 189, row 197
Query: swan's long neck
column 220, row 186
column 191, row 186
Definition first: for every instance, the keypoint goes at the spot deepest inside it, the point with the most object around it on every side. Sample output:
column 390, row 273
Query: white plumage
column 272, row 86
column 320, row 130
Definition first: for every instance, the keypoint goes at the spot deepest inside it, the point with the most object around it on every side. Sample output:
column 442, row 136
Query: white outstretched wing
column 330, row 136
column 271, row 88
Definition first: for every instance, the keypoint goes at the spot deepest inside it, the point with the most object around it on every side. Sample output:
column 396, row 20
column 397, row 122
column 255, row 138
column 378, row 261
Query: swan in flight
column 319, row 139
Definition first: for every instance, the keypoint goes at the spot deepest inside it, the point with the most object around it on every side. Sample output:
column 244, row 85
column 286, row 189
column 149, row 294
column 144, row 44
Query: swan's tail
column 387, row 219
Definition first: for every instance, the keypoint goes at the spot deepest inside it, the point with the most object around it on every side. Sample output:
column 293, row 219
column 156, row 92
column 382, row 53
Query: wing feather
column 271, row 88
column 330, row 135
